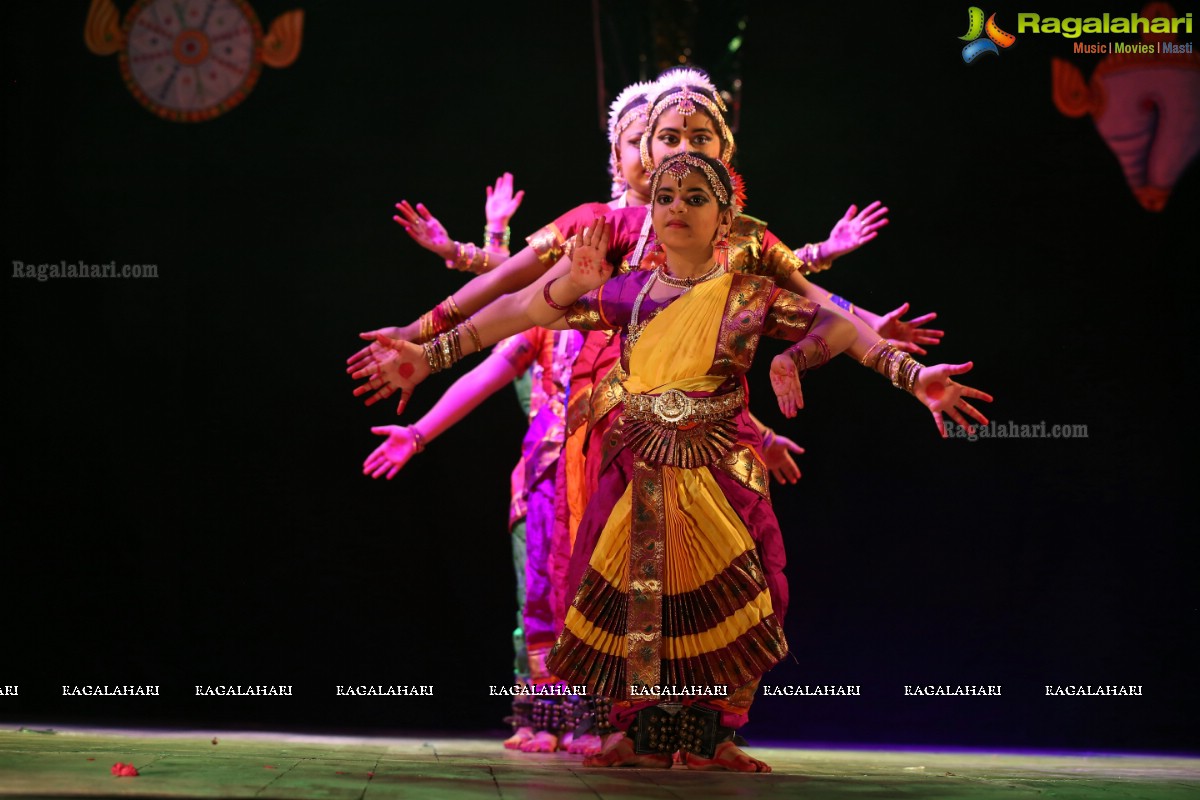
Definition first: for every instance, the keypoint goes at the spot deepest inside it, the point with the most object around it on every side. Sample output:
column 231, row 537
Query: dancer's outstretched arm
column 500, row 368
column 429, row 233
column 849, row 233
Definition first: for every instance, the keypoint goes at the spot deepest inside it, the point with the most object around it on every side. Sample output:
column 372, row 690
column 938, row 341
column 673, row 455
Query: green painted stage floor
column 76, row 762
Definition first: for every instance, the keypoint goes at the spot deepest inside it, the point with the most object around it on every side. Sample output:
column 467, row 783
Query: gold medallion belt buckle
column 673, row 407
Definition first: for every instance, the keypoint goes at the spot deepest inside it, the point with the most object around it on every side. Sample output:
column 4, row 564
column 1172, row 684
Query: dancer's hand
column 778, row 458
column 392, row 365
column 388, row 459
column 501, row 202
column 786, row 383
column 941, row 394
column 425, row 230
column 589, row 265
column 854, row 229
column 908, row 335
column 408, row 333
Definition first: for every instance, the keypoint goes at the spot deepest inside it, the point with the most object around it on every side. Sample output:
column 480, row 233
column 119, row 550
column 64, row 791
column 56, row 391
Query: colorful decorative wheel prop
column 191, row 60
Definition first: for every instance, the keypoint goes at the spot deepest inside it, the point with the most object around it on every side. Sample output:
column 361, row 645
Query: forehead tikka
column 681, row 166
column 685, row 105
column 686, row 99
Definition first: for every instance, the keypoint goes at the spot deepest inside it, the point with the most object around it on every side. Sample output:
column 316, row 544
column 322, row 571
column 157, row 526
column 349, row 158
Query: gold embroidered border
column 744, row 466
column 779, row 262
column 745, row 244
column 608, row 392
column 790, row 317
column 548, row 244
column 745, row 309
column 585, row 313
column 643, row 663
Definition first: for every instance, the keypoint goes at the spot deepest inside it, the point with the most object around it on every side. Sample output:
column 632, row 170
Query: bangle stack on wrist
column 803, row 360
column 443, row 351
column 497, row 240
column 894, row 364
column 465, row 256
column 444, row 316
column 418, row 439
column 810, row 259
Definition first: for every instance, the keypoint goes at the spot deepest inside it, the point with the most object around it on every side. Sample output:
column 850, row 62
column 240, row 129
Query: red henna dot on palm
column 935, row 390
column 405, row 370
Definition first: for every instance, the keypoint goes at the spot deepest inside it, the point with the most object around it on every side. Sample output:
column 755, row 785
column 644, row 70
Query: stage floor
column 75, row 762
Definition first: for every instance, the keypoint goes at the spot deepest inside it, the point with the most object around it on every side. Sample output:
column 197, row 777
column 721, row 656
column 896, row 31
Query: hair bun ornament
column 616, row 122
column 677, row 77
column 739, row 187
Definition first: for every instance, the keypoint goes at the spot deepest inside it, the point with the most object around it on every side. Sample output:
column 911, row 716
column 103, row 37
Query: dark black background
column 181, row 468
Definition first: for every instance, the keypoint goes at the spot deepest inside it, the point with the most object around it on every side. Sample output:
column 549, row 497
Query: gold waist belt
column 672, row 429
column 675, row 409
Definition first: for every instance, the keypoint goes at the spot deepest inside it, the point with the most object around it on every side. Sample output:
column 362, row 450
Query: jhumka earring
column 721, row 251
column 654, row 257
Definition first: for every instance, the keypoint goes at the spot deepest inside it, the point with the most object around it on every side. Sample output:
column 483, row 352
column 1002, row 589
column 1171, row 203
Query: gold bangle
column 894, row 364
column 453, row 315
column 443, row 351
column 799, row 358
column 870, row 359
column 500, row 238
column 418, row 439
column 470, row 326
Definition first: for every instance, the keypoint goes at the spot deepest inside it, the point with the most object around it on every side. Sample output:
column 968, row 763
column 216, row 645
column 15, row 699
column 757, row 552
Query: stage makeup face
column 686, row 212
column 677, row 133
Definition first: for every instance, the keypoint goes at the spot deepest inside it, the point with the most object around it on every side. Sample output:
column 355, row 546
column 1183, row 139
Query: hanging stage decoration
column 191, row 60
column 1146, row 106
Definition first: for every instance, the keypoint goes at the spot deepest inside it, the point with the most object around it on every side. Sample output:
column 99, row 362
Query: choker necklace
column 687, row 283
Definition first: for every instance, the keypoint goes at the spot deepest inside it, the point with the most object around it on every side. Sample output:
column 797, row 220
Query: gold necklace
column 687, row 283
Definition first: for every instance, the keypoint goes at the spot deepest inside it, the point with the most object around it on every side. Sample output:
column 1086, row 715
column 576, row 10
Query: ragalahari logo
column 976, row 27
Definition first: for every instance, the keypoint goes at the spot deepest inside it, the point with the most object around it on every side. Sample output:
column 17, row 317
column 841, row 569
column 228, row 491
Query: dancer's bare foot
column 519, row 737
column 618, row 752
column 587, row 744
column 542, row 742
column 727, row 757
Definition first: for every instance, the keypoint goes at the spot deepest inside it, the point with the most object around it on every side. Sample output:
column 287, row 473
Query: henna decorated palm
column 364, row 356
column 785, row 381
column 390, row 365
column 589, row 267
column 941, row 394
